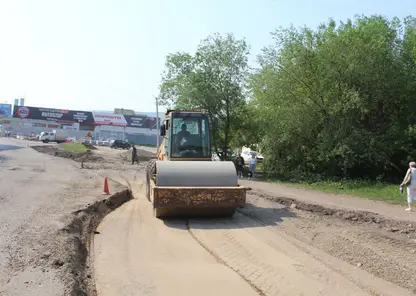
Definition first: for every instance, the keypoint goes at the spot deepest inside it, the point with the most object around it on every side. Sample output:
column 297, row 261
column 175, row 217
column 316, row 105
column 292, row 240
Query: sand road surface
column 137, row 254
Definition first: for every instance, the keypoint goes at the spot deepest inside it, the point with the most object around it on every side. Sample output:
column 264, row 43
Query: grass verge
column 75, row 147
column 365, row 189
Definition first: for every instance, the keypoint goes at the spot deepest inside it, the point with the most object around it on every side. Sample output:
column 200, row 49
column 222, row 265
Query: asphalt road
column 36, row 191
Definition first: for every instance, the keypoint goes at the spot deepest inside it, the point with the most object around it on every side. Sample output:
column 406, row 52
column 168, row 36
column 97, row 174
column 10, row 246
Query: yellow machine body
column 184, row 180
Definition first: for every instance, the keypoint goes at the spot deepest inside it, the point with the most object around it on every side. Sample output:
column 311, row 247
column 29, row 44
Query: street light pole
column 157, row 124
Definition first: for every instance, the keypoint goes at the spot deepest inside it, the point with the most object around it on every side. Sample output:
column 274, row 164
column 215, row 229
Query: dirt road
column 263, row 250
column 266, row 249
column 396, row 212
column 37, row 192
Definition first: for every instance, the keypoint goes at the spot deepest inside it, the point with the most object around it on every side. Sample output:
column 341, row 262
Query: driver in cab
column 182, row 138
column 183, row 133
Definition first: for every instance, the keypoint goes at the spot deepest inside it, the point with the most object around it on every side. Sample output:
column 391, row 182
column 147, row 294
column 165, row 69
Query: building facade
column 120, row 124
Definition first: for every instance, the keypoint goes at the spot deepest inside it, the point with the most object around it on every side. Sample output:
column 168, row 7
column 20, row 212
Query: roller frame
column 204, row 188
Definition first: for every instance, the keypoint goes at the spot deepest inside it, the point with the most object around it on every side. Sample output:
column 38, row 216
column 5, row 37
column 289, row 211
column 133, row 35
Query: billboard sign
column 58, row 115
column 152, row 122
column 109, row 119
column 141, row 121
column 5, row 110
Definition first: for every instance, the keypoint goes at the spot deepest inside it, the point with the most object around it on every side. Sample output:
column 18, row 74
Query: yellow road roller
column 183, row 180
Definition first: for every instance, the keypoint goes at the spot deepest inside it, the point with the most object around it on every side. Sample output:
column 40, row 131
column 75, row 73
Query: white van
column 58, row 136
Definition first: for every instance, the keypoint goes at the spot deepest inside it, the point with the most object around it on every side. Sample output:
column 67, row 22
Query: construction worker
column 134, row 155
column 183, row 133
column 252, row 166
column 239, row 161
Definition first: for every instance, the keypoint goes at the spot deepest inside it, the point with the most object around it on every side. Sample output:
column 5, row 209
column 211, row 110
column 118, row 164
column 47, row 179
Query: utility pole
column 157, row 124
column 124, row 127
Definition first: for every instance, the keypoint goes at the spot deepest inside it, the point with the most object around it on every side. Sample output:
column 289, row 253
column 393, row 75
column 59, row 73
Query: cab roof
column 169, row 111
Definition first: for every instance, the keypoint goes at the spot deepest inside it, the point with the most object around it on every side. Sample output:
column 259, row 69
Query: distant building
column 124, row 111
column 124, row 124
column 137, row 127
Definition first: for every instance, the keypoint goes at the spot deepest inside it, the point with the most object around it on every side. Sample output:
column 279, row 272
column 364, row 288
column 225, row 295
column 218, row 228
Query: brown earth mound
column 143, row 155
column 89, row 146
column 77, row 235
column 76, row 156
column 354, row 217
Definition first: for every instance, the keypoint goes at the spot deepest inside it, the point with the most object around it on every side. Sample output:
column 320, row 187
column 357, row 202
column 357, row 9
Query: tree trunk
column 227, row 128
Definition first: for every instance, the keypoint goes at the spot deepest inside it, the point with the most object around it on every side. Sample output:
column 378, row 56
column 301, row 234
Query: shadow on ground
column 247, row 217
column 9, row 147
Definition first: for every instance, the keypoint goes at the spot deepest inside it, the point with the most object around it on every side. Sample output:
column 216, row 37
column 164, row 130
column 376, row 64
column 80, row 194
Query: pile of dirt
column 89, row 146
column 76, row 156
column 355, row 217
column 143, row 155
column 77, row 236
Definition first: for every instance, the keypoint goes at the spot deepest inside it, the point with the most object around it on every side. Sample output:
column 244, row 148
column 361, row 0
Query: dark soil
column 354, row 217
column 77, row 235
column 76, row 156
column 89, row 146
column 142, row 155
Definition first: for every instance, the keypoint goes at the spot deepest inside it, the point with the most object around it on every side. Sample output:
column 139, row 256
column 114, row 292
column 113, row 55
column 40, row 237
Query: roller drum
column 196, row 174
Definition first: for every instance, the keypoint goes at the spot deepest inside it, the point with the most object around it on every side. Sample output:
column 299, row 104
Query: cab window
column 190, row 136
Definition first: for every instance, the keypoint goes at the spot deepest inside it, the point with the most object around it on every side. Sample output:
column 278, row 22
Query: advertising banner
column 109, row 119
column 152, row 122
column 58, row 115
column 5, row 110
column 141, row 121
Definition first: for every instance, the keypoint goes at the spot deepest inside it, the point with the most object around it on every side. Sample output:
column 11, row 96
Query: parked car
column 247, row 154
column 71, row 140
column 106, row 143
column 120, row 144
column 231, row 155
column 215, row 157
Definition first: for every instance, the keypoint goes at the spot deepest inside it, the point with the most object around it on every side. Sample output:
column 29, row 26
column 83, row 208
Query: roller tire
column 150, row 170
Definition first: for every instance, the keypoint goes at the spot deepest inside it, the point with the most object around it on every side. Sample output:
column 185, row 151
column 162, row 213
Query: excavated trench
column 78, row 235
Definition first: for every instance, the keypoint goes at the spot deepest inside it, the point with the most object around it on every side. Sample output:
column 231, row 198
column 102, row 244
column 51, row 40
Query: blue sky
column 105, row 54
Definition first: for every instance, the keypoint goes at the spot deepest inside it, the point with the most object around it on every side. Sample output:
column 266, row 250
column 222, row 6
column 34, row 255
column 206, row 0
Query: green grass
column 365, row 189
column 74, row 147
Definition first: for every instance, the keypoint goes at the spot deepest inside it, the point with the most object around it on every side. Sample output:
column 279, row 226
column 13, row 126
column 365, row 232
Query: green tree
column 338, row 101
column 214, row 80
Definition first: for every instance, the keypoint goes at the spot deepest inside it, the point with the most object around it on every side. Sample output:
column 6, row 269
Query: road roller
column 183, row 180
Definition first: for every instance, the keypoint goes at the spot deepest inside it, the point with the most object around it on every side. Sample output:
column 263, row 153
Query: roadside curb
column 78, row 272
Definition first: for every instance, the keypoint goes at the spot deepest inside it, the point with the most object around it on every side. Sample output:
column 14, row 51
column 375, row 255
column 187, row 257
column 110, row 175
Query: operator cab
column 187, row 136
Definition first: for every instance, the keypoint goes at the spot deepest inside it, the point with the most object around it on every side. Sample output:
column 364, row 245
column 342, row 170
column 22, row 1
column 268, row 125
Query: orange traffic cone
column 106, row 190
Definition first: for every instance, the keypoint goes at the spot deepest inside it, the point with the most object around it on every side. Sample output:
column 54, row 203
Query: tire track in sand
column 278, row 264
column 137, row 254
